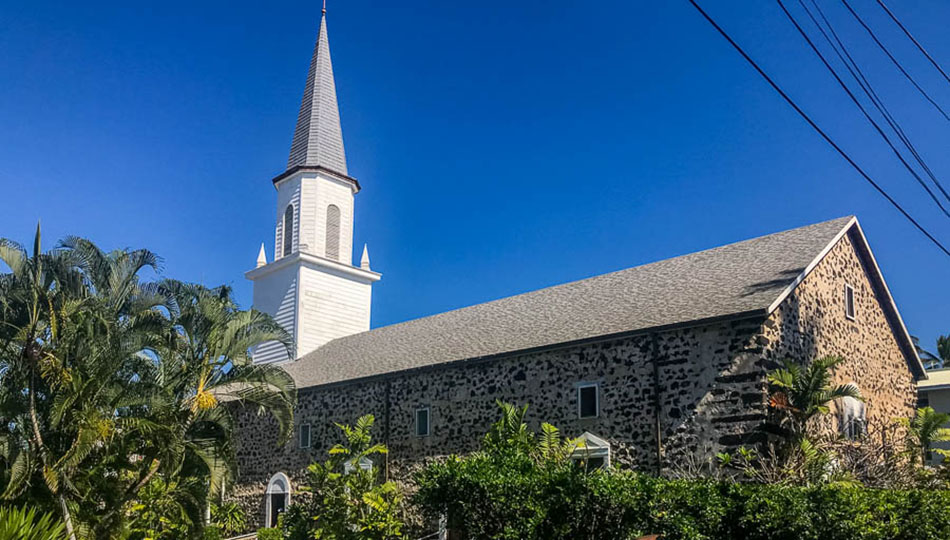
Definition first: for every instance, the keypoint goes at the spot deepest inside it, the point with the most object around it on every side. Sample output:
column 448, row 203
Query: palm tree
column 108, row 382
column 37, row 293
column 926, row 428
column 804, row 393
column 27, row 524
column 943, row 349
column 511, row 432
column 203, row 372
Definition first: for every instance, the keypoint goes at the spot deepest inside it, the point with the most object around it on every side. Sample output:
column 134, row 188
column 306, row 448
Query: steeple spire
column 318, row 139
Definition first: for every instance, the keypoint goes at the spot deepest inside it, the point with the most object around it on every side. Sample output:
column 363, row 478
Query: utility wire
column 896, row 62
column 865, row 85
column 919, row 46
column 868, row 88
column 814, row 126
column 861, row 107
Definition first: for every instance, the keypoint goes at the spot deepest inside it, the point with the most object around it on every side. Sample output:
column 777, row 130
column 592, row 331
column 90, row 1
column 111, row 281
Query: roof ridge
column 843, row 219
column 720, row 283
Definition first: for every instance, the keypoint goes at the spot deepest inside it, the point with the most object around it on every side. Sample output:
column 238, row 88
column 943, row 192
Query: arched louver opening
column 277, row 499
column 333, row 232
column 288, row 230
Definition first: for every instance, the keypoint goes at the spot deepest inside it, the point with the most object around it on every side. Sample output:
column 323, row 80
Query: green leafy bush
column 23, row 524
column 495, row 497
column 229, row 517
column 512, row 489
column 343, row 498
column 269, row 534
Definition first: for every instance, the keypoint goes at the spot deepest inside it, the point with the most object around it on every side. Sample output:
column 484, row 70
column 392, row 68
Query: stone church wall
column 811, row 323
column 709, row 380
column 710, row 391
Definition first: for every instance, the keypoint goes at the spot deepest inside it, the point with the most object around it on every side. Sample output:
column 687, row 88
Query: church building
column 655, row 365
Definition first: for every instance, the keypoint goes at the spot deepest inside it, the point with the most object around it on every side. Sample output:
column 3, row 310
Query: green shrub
column 229, row 518
column 269, row 534
column 500, row 496
column 344, row 498
column 23, row 524
column 212, row 532
column 516, row 487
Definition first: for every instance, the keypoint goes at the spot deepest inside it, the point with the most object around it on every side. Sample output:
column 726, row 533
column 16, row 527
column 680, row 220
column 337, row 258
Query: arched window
column 333, row 232
column 852, row 418
column 277, row 498
column 288, row 230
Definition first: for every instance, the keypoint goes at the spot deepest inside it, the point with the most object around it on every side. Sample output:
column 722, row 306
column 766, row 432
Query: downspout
column 386, row 440
column 657, row 403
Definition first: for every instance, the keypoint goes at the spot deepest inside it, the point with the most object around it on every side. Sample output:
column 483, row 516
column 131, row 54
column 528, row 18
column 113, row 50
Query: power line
column 861, row 107
column 865, row 85
column 814, row 126
column 919, row 46
column 895, row 60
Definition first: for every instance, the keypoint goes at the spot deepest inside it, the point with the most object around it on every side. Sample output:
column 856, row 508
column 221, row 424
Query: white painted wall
column 332, row 304
column 940, row 401
column 276, row 294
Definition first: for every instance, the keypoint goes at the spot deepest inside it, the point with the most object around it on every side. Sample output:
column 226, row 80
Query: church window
column 277, row 498
column 852, row 418
column 364, row 463
column 422, row 422
column 588, row 401
column 288, row 230
column 333, row 232
column 304, row 435
column 591, row 452
column 849, row 301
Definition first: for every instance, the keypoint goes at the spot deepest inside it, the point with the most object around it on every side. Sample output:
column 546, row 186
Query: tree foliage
column 344, row 498
column 924, row 429
column 115, row 391
column 802, row 393
column 510, row 491
column 23, row 524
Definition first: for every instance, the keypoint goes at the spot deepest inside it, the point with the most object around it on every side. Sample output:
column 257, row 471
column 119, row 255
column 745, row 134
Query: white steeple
column 318, row 139
column 261, row 257
column 312, row 287
column 364, row 260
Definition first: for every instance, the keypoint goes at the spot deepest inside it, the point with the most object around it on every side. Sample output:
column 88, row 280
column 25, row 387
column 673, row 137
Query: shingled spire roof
column 318, row 139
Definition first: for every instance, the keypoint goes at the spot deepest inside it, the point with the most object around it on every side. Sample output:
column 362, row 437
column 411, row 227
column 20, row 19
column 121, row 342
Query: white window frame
column 428, row 421
column 591, row 447
column 596, row 387
column 364, row 463
column 852, row 418
column 850, row 306
column 271, row 490
column 309, row 436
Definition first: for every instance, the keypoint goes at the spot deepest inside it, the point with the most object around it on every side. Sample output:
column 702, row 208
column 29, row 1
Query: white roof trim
column 853, row 222
column 890, row 299
column 811, row 266
column 593, row 441
column 360, row 274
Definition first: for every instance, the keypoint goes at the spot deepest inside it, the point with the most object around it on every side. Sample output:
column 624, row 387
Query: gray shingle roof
column 729, row 280
column 318, row 139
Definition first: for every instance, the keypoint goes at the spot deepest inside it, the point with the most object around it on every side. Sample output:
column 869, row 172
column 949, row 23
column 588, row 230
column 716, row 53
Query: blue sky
column 502, row 147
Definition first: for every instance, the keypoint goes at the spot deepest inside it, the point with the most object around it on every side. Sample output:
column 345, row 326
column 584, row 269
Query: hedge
column 510, row 497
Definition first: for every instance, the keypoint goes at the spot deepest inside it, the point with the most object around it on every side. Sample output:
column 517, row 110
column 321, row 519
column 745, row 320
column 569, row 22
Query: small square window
column 849, row 301
column 588, row 405
column 422, row 422
column 304, row 436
